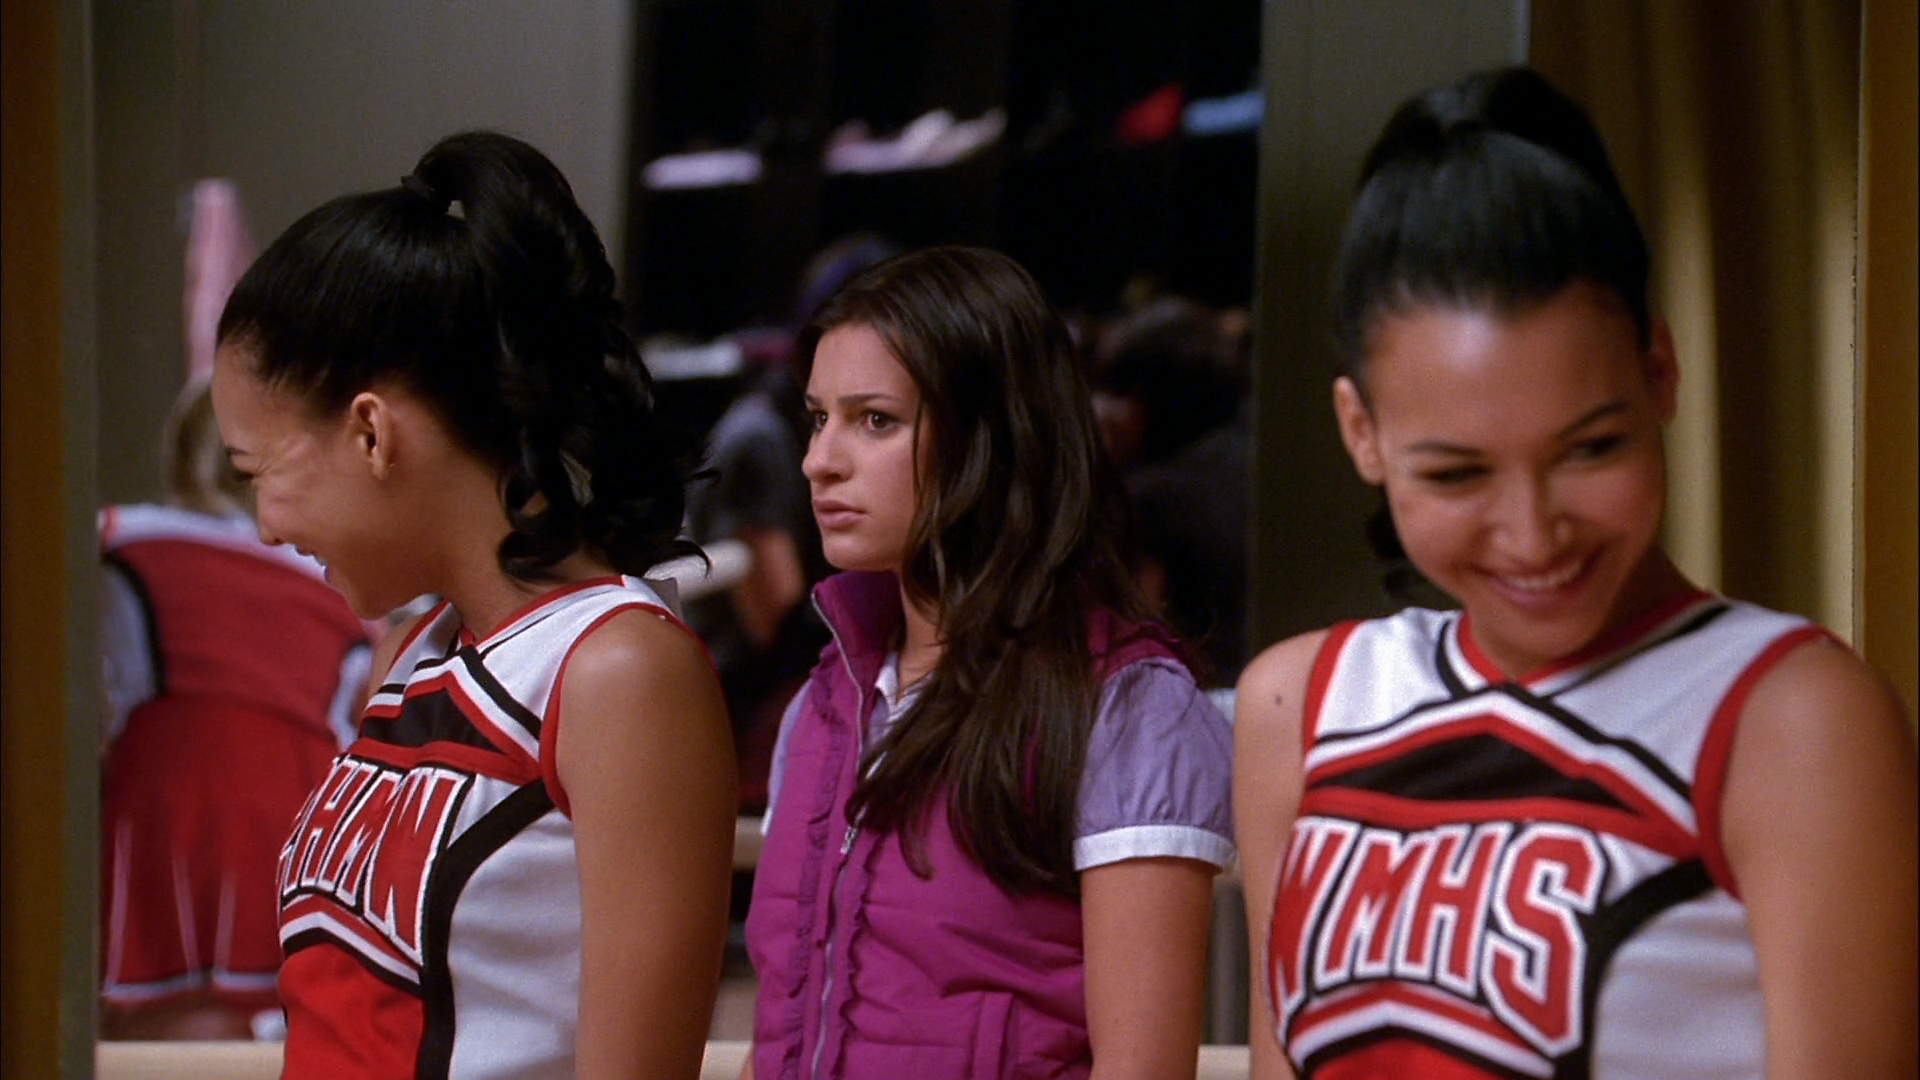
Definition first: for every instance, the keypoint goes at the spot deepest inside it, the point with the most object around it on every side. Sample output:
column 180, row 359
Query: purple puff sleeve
column 1159, row 772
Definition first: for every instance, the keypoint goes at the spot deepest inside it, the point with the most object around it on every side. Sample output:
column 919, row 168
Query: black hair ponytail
column 479, row 283
column 1492, row 191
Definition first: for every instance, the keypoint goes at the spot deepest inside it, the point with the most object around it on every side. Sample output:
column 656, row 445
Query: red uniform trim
column 413, row 634
column 512, row 622
column 1425, row 1000
column 1716, row 750
column 1320, row 677
column 1411, row 814
column 522, row 766
column 1620, row 640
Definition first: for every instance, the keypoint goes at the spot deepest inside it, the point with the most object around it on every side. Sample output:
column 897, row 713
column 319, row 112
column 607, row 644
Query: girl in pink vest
column 999, row 803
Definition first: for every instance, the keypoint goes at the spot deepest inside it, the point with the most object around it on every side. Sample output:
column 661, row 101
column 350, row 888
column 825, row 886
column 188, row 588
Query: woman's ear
column 1663, row 371
column 1357, row 430
column 370, row 423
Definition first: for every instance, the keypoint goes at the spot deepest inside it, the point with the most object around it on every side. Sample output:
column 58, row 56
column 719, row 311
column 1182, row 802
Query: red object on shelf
column 1154, row 117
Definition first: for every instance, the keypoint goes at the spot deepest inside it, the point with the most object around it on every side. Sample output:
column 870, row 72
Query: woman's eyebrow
column 1598, row 413
column 849, row 401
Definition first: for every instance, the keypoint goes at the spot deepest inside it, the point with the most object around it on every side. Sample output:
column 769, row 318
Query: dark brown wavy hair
column 1020, row 536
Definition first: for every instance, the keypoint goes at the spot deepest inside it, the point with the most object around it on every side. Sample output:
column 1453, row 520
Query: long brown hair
column 1018, row 539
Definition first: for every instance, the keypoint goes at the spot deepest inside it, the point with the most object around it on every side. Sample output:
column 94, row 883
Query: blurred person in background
column 231, row 674
column 1169, row 389
column 764, row 636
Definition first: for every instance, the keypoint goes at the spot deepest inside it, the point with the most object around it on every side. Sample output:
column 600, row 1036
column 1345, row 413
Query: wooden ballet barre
column 747, row 842
column 236, row 1060
column 261, row 1061
column 725, row 1059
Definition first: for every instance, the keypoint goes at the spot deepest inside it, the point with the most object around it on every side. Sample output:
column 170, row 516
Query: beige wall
column 1333, row 72
column 299, row 101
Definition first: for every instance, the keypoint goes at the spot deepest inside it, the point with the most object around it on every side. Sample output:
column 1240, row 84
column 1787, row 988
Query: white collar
column 888, row 683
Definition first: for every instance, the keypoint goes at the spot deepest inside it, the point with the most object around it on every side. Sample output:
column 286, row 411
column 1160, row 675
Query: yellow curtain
column 1734, row 126
column 1888, row 579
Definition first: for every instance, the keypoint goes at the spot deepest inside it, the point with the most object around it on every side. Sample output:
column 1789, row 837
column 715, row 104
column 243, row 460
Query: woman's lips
column 834, row 515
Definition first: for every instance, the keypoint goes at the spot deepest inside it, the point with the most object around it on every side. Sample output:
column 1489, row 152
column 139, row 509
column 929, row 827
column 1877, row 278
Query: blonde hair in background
column 194, row 459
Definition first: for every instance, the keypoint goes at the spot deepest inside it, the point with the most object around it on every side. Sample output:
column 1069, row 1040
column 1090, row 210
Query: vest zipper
column 846, row 849
column 826, row 982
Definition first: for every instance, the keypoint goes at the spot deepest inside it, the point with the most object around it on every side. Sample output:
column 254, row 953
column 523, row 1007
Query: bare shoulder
column 1272, row 688
column 640, row 651
column 1267, row 752
column 639, row 663
column 1823, row 760
column 640, row 697
column 1821, row 698
column 1821, row 814
column 1268, row 780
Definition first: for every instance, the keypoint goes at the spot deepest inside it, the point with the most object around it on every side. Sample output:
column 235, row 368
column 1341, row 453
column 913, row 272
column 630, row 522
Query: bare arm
column 1819, row 827
column 645, row 757
column 1267, row 778
column 775, row 582
column 1147, row 928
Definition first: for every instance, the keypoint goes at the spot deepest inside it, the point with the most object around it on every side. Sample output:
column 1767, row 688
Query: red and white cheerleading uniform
column 231, row 669
column 430, row 897
column 1490, row 877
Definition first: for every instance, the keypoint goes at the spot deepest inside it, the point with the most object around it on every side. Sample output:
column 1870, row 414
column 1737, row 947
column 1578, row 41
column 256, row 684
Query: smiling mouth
column 1558, row 578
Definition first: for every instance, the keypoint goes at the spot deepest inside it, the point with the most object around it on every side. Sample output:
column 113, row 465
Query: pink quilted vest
column 868, row 971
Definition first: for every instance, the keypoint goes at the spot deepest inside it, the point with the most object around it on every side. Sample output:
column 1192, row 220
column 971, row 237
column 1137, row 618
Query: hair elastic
column 426, row 191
